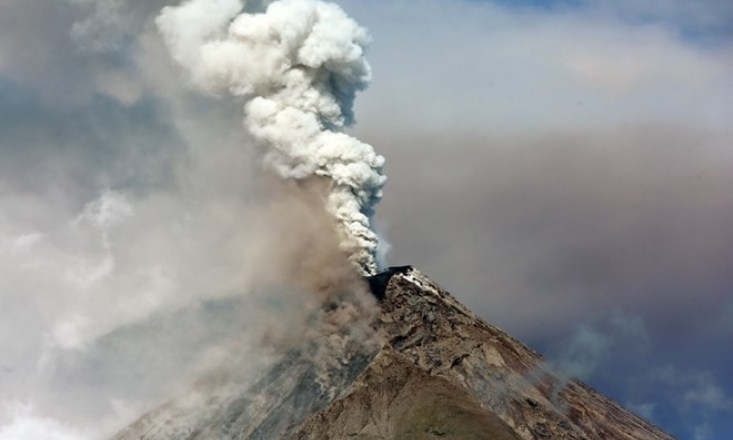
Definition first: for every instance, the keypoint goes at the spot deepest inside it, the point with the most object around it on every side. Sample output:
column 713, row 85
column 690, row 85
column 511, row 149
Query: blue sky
column 563, row 167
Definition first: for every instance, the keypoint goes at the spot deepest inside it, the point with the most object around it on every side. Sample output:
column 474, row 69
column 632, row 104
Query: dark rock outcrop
column 378, row 283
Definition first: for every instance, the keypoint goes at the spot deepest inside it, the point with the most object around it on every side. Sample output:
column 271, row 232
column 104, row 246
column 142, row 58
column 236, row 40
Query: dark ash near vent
column 378, row 283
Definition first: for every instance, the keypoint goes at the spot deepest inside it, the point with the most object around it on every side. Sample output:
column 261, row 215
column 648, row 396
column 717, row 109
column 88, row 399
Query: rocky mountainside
column 441, row 373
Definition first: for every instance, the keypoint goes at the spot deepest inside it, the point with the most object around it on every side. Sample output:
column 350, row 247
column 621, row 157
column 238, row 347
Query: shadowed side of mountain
column 268, row 409
column 305, row 379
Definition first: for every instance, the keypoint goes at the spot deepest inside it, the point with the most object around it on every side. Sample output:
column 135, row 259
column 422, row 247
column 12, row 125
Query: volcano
column 441, row 373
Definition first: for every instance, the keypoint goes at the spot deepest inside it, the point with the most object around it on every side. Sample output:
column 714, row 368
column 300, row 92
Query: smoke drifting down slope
column 442, row 372
column 298, row 65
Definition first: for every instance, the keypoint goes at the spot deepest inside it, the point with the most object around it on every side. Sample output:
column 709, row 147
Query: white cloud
column 707, row 394
column 118, row 84
column 620, row 66
column 615, row 334
column 25, row 424
column 686, row 16
column 477, row 67
column 645, row 410
column 109, row 209
column 699, row 390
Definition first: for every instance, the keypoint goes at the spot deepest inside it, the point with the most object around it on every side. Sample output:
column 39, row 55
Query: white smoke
column 298, row 65
column 26, row 425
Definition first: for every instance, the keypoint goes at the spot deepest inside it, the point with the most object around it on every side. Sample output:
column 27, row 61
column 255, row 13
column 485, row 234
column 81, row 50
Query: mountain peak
column 431, row 329
column 441, row 372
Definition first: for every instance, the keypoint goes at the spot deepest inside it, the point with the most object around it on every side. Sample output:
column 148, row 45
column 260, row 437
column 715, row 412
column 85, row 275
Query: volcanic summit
column 441, row 373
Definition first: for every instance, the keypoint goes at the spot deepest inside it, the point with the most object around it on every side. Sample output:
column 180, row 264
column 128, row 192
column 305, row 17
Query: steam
column 130, row 272
column 298, row 65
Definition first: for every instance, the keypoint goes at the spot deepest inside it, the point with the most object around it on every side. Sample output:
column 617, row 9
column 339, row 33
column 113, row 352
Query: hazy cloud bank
column 546, row 164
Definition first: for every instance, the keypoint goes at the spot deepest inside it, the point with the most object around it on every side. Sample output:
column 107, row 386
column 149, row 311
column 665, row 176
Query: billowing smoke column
column 298, row 64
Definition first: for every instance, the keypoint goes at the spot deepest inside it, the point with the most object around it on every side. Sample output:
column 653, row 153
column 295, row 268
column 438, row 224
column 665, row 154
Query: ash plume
column 298, row 65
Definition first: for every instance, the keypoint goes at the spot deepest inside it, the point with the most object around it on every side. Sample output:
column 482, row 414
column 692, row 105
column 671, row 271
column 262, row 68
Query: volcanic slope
column 441, row 373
